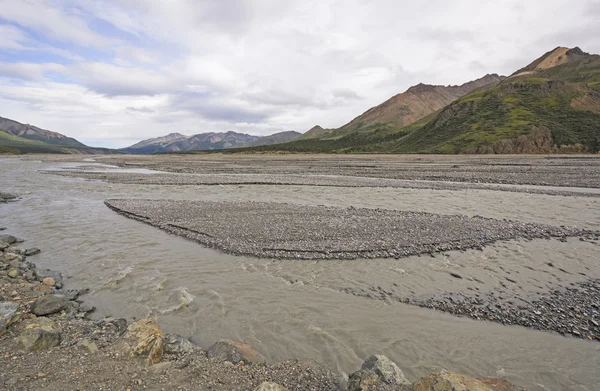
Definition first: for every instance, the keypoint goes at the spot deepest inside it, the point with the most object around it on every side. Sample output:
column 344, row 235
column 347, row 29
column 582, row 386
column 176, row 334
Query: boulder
column 364, row 381
column 176, row 344
column 32, row 251
column 145, row 339
column 450, row 381
column 386, row 369
column 14, row 273
column 9, row 314
column 39, row 334
column 8, row 239
column 267, row 386
column 234, row 351
column 50, row 304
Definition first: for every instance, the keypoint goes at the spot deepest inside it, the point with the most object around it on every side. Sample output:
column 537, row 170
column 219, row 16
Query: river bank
column 48, row 343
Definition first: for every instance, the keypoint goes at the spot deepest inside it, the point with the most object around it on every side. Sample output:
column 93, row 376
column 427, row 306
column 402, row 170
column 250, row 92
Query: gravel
column 171, row 179
column 572, row 310
column 276, row 230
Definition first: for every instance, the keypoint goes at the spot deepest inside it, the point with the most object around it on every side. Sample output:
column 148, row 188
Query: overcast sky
column 111, row 73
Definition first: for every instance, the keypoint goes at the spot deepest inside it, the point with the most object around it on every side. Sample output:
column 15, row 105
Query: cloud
column 117, row 70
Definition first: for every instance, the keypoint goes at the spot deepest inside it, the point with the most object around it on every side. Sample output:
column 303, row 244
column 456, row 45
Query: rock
column 160, row 367
column 13, row 273
column 143, row 338
column 42, row 290
column 8, row 239
column 89, row 345
column 85, row 308
column 266, row 386
column 229, row 350
column 71, row 294
column 176, row 344
column 9, row 314
column 386, row 369
column 39, row 334
column 43, row 273
column 32, row 251
column 30, row 276
column 119, row 324
column 449, row 381
column 47, row 305
column 364, row 381
column 49, row 281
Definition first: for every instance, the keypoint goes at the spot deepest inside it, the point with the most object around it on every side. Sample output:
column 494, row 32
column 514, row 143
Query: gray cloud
column 141, row 109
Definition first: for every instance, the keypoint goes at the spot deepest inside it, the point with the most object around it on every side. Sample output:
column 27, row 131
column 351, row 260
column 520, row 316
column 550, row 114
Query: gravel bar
column 572, row 310
column 286, row 231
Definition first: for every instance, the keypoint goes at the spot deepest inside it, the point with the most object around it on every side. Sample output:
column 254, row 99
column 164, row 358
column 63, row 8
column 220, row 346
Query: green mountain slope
column 12, row 144
column 551, row 105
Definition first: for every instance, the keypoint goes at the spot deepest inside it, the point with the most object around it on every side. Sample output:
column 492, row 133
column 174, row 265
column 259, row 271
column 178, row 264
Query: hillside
column 550, row 105
column 31, row 132
column 12, row 144
column 276, row 138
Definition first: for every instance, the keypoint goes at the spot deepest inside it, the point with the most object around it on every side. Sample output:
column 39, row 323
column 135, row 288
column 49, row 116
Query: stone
column 160, row 367
column 43, row 273
column 50, row 304
column 49, row 281
column 449, row 381
column 145, row 339
column 363, row 381
column 386, row 369
column 13, row 273
column 32, row 251
column 42, row 290
column 267, row 386
column 234, row 351
column 9, row 314
column 30, row 276
column 39, row 334
column 8, row 239
column 176, row 344
column 89, row 345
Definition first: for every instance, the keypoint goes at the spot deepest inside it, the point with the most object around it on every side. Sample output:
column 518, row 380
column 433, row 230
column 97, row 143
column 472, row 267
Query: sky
column 114, row 72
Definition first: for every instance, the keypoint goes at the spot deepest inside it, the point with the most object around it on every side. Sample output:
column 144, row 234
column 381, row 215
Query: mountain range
column 176, row 142
column 550, row 105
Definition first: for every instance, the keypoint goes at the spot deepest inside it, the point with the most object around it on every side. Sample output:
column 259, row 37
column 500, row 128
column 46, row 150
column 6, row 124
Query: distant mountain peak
column 555, row 57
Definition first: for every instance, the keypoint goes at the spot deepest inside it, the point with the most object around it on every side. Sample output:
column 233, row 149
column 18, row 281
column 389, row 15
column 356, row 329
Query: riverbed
column 319, row 309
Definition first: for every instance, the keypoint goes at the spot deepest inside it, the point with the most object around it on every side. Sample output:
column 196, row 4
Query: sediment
column 286, row 231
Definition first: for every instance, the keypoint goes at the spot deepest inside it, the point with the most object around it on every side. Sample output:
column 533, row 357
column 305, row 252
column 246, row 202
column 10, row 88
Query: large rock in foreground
column 234, row 351
column 47, row 305
column 378, row 373
column 145, row 339
column 39, row 334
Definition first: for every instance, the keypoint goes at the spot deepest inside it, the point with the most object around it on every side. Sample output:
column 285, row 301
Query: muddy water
column 302, row 309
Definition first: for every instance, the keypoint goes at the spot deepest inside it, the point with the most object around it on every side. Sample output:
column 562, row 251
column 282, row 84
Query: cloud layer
column 110, row 73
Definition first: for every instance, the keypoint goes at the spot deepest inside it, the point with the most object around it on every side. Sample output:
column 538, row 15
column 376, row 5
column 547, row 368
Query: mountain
column 18, row 138
column 276, row 138
column 176, row 142
column 314, row 132
column 410, row 106
column 31, row 132
column 550, row 105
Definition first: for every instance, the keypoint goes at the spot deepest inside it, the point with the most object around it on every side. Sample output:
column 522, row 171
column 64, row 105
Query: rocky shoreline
column 48, row 343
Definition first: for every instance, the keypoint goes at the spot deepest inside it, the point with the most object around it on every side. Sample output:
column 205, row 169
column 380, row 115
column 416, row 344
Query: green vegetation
column 10, row 144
